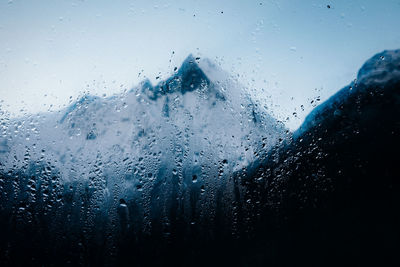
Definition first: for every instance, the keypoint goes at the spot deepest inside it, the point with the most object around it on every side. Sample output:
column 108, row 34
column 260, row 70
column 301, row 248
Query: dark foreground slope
column 328, row 196
column 331, row 195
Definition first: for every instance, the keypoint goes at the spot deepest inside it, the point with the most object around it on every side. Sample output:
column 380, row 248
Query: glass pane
column 245, row 133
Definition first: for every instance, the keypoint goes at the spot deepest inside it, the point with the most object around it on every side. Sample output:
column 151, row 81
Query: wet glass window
column 199, row 133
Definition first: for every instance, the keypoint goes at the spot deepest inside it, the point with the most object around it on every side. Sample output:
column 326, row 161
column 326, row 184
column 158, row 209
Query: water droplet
column 122, row 203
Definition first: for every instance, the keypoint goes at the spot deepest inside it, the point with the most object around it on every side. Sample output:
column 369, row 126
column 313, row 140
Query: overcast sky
column 285, row 52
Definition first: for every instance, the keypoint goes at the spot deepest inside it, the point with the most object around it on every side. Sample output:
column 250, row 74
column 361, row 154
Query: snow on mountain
column 152, row 143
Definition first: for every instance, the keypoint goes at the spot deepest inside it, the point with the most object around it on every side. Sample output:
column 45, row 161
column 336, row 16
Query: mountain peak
column 189, row 63
column 191, row 75
column 380, row 66
column 187, row 78
column 372, row 79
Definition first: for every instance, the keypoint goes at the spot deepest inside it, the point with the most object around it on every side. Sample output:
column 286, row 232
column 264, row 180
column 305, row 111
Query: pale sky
column 285, row 52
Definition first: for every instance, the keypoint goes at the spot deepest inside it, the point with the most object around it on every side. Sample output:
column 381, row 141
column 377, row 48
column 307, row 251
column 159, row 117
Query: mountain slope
column 175, row 174
column 160, row 150
column 333, row 191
